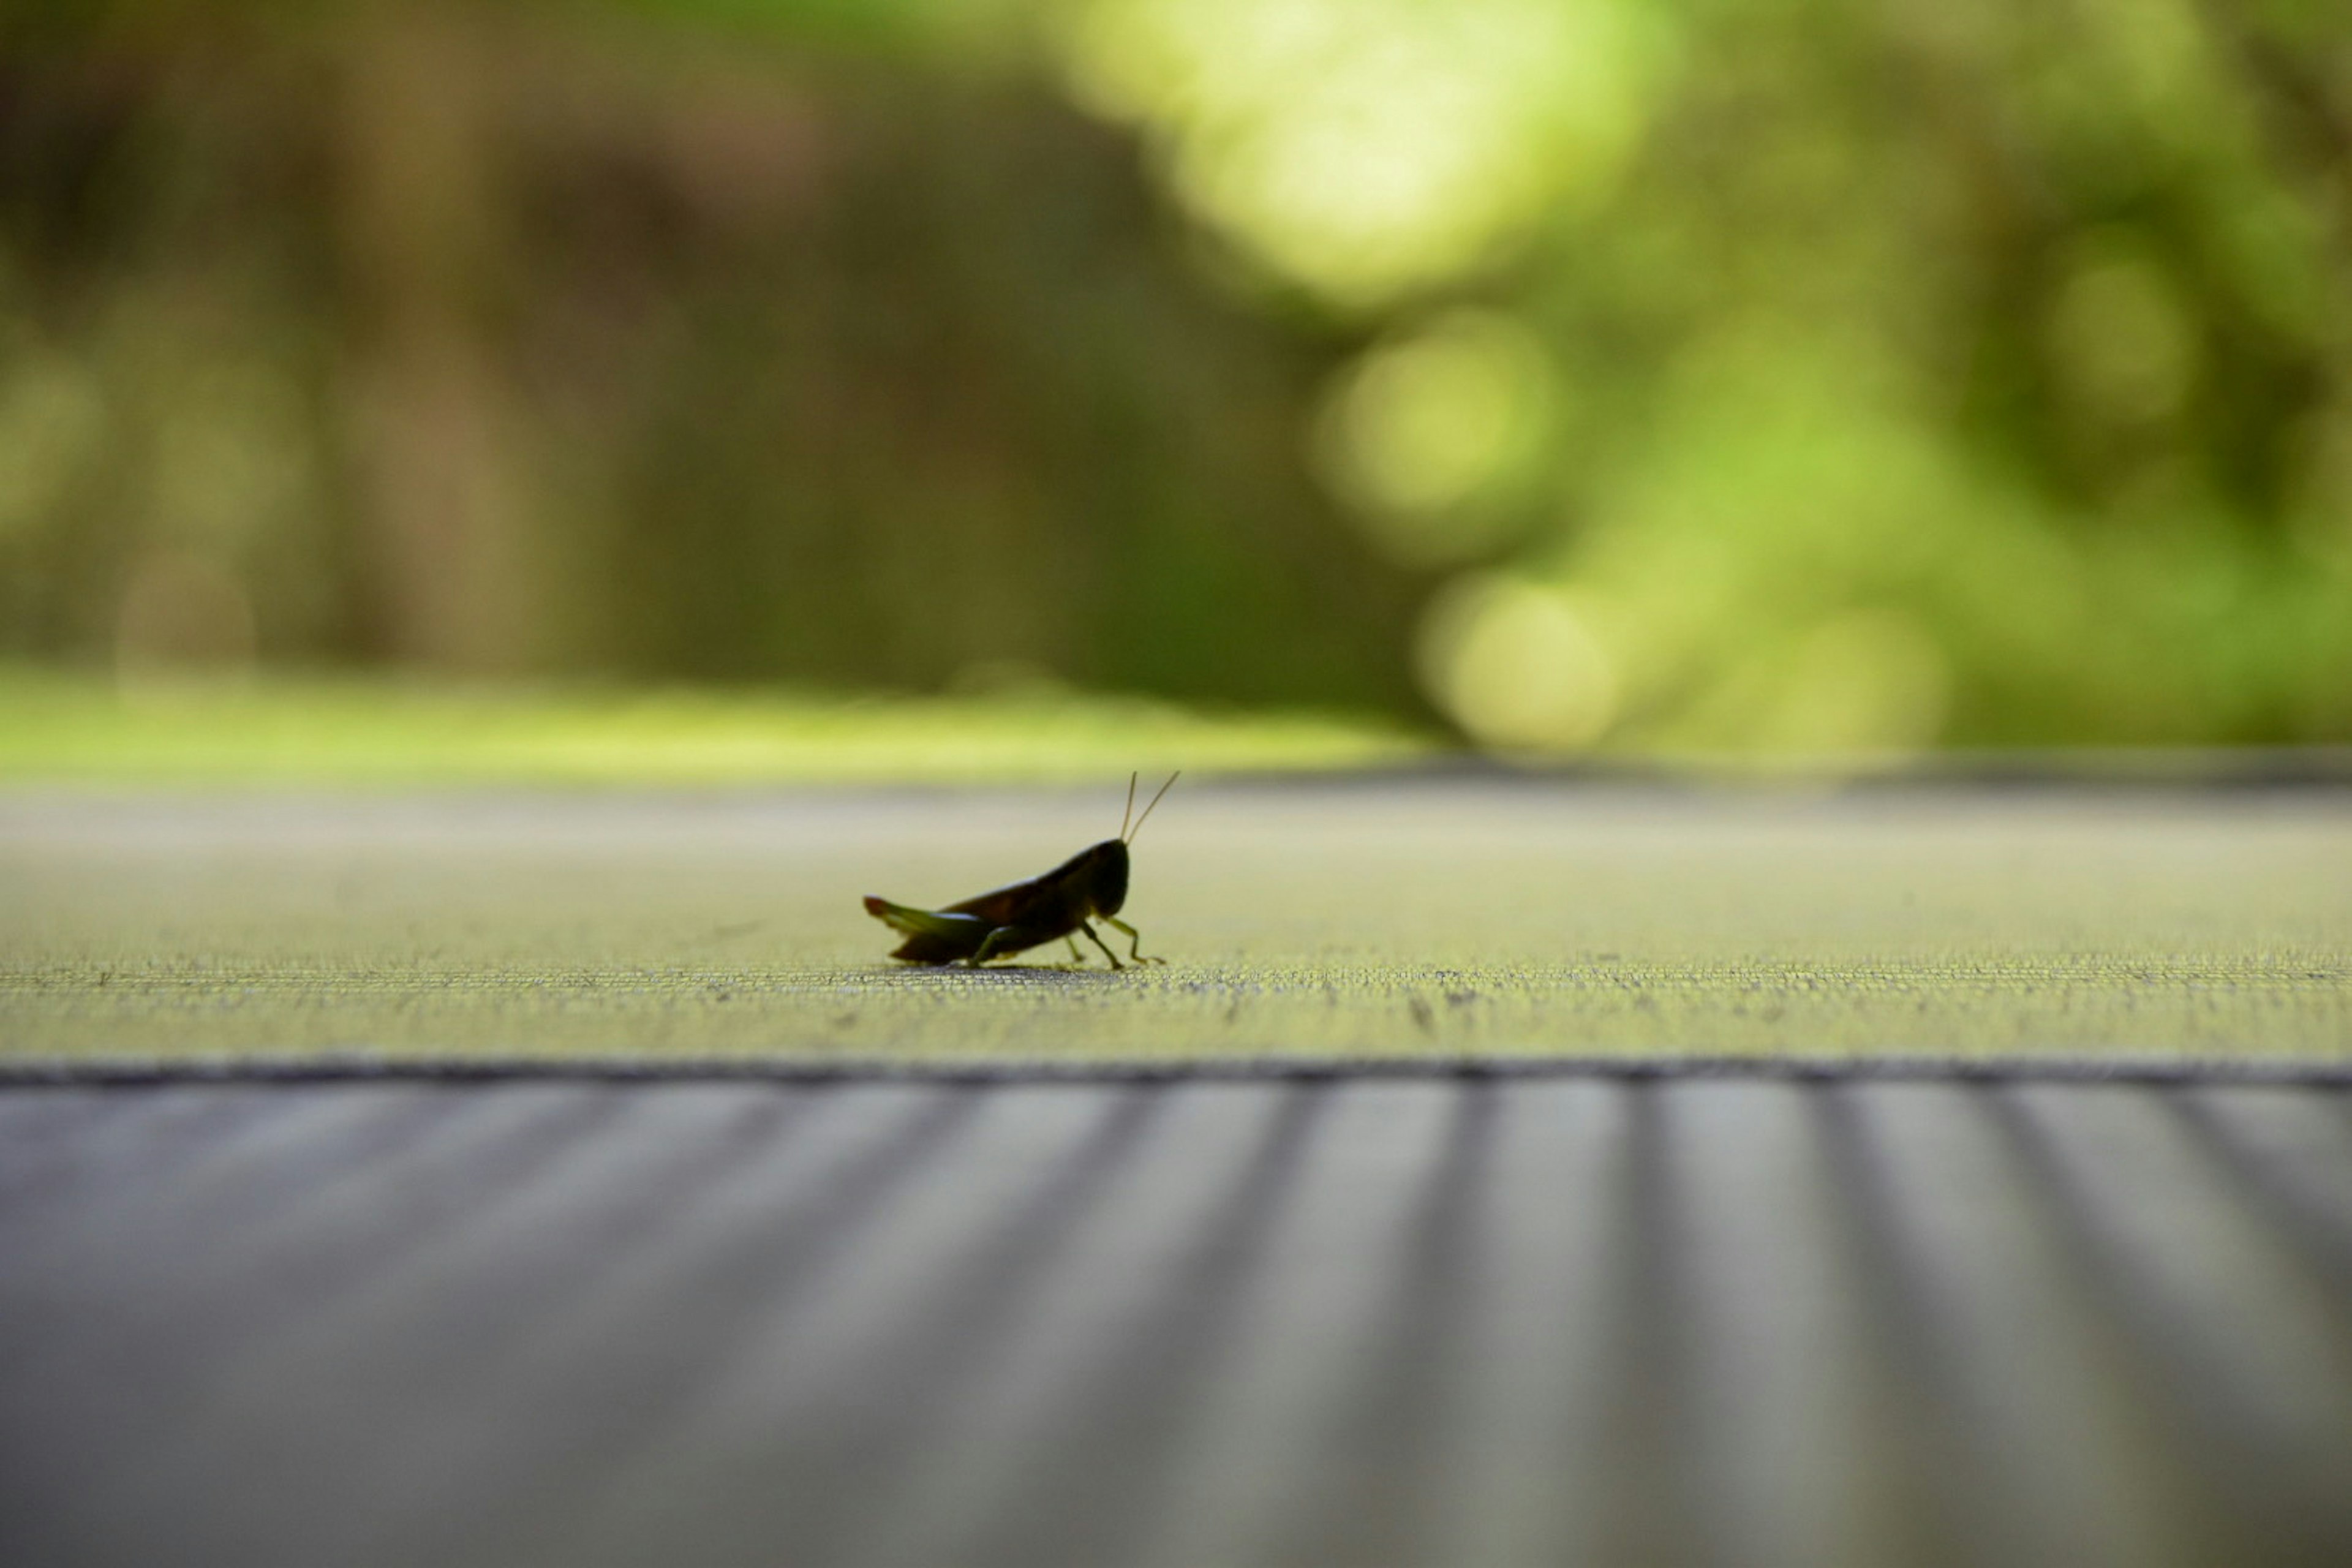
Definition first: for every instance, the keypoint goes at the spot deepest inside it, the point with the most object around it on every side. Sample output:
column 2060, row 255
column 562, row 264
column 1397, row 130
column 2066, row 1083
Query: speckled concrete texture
column 1358, row 920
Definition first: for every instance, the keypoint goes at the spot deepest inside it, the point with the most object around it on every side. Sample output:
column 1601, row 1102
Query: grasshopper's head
column 1105, row 865
column 1104, row 875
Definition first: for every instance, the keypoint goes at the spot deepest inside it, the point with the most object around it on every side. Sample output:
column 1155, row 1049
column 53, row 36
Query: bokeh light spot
column 1420, row 426
column 1518, row 665
column 1867, row 680
column 1367, row 150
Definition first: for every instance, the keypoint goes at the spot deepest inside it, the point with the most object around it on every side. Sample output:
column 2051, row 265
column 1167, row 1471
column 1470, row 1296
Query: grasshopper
column 1028, row 915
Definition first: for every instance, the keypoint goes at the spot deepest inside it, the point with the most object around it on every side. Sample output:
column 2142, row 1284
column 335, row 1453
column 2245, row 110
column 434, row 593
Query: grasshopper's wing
column 1004, row 907
column 933, row 936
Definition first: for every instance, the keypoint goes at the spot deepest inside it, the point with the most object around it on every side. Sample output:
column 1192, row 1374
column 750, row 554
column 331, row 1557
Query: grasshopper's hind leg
column 1134, row 940
column 1006, row 939
column 1003, row 939
column 1098, row 940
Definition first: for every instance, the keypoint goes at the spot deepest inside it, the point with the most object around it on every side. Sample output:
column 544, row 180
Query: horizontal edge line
column 62, row 1072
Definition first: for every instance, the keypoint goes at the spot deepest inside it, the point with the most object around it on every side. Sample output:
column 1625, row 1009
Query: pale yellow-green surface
column 1368, row 917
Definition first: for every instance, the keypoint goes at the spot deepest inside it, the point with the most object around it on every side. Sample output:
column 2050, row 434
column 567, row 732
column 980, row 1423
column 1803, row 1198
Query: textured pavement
column 1380, row 919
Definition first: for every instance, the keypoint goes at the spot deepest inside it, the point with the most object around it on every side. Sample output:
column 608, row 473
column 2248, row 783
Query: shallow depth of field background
column 1729, row 377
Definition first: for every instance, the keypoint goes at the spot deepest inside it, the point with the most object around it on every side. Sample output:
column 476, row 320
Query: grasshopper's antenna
column 1131, row 808
column 1129, row 837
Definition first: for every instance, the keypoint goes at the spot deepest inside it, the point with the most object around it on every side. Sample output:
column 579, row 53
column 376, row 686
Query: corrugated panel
column 1345, row 1321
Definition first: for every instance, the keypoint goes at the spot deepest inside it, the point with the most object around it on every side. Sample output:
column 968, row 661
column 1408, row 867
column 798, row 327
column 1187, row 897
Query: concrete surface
column 1380, row 917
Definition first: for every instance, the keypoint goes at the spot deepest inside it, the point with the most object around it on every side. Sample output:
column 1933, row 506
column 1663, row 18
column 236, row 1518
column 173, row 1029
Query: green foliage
column 1911, row 378
column 1757, row 376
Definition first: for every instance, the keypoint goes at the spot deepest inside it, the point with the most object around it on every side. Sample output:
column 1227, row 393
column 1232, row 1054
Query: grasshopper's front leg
column 1134, row 941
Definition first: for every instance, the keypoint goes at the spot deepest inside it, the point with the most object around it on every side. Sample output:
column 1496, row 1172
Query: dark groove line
column 1386, row 1436
column 270, row 1158
column 145, row 1463
column 474, row 1156
column 209, row 1299
column 2298, row 1228
column 575, row 1334
column 29, row 1128
column 1944, row 1493
column 1653, row 1502
column 280, row 1331
column 1140, row 1411
column 647, row 1398
column 942, row 1352
column 2240, row 1514
column 139, row 1143
column 516, row 1340
column 21, row 1076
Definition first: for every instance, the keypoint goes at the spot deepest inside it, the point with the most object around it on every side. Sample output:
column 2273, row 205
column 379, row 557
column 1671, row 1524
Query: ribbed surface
column 1453, row 1322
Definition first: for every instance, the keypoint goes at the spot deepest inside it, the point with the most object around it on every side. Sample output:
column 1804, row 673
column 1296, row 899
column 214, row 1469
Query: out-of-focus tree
column 1791, row 375
column 703, row 342
column 1737, row 375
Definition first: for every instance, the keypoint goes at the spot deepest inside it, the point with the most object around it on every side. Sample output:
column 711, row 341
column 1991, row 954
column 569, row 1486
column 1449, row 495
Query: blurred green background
column 1731, row 377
